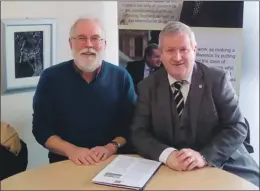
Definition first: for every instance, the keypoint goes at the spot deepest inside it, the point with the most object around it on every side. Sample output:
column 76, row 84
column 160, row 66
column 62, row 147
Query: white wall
column 249, row 89
column 19, row 114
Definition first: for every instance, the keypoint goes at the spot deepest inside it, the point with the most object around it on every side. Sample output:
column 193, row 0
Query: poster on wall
column 28, row 49
column 217, row 26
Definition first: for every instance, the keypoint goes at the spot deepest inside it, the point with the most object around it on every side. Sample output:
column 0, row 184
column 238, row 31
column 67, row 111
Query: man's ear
column 195, row 48
column 70, row 42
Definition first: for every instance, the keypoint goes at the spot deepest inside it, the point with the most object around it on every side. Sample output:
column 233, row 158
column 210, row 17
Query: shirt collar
column 80, row 72
column 187, row 79
column 146, row 67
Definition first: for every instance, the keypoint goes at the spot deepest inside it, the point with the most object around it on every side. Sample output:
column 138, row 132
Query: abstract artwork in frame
column 29, row 47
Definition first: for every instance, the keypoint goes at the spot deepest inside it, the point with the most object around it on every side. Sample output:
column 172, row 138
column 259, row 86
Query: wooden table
column 67, row 176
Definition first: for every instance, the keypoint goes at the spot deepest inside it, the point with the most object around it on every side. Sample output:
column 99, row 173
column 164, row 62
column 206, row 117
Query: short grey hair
column 87, row 18
column 176, row 27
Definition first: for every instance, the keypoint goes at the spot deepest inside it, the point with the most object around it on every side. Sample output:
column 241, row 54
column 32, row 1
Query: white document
column 127, row 172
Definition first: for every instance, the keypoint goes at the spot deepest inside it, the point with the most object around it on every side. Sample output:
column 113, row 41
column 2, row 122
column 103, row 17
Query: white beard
column 87, row 63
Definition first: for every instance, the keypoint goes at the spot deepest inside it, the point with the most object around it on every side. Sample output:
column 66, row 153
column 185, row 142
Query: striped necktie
column 178, row 97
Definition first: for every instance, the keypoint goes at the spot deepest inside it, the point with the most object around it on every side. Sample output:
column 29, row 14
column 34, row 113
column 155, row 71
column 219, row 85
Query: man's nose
column 88, row 43
column 176, row 56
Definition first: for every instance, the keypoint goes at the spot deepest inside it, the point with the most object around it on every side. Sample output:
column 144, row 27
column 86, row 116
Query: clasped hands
column 185, row 160
column 85, row 156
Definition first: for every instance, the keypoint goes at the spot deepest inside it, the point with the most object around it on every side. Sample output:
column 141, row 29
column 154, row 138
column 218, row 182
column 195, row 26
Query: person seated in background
column 188, row 114
column 82, row 108
column 143, row 68
column 14, row 152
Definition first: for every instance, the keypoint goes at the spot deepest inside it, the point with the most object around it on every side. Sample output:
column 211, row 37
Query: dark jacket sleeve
column 143, row 139
column 233, row 129
column 43, row 110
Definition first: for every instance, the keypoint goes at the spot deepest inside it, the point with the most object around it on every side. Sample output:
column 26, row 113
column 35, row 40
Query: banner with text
column 221, row 48
column 147, row 14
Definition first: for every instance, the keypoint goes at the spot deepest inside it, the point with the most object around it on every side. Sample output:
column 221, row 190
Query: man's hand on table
column 82, row 156
column 185, row 160
column 104, row 152
column 85, row 156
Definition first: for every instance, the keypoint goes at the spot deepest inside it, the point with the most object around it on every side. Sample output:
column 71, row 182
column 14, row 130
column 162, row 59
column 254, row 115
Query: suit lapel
column 163, row 93
column 141, row 71
column 195, row 97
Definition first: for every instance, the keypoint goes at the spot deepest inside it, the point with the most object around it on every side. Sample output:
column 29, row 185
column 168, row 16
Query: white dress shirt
column 147, row 70
column 185, row 91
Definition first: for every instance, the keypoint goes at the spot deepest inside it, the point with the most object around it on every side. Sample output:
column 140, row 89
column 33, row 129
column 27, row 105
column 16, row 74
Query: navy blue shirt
column 84, row 114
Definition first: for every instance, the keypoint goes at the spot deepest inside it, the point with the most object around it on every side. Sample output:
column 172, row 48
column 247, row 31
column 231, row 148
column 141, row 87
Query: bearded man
column 82, row 108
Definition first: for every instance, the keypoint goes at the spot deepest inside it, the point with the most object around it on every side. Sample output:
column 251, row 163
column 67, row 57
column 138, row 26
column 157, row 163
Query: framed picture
column 29, row 47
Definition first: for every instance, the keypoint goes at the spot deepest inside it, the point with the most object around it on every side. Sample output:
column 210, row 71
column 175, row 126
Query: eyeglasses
column 83, row 39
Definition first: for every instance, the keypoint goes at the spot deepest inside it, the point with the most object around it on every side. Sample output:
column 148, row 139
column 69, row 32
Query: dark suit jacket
column 136, row 70
column 218, row 128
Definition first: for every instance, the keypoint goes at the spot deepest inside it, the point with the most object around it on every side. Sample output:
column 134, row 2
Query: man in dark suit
column 187, row 114
column 143, row 68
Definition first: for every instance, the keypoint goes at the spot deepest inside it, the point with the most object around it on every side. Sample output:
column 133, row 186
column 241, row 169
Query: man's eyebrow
column 82, row 35
column 96, row 35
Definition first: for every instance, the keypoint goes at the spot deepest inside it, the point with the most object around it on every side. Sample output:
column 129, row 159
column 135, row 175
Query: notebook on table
column 127, row 172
